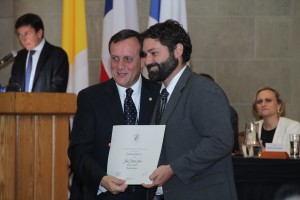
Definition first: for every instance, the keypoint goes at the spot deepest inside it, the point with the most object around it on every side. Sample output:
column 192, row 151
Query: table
column 260, row 178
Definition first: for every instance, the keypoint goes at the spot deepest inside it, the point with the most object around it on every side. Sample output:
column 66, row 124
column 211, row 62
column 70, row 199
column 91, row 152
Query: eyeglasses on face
column 24, row 35
column 260, row 101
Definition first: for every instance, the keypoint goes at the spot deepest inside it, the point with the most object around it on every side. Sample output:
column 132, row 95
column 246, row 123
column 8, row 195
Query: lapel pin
column 150, row 98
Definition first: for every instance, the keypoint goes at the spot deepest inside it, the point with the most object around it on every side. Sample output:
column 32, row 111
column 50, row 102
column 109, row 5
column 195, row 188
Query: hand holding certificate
column 135, row 152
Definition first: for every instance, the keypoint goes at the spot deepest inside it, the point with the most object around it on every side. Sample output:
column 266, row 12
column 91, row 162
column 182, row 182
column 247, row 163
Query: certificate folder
column 134, row 152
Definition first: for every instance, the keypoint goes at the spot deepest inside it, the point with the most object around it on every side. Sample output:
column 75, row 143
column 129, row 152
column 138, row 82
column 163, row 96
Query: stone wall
column 243, row 44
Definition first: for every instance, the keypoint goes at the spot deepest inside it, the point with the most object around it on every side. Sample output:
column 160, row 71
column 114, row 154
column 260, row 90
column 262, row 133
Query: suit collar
column 40, row 46
column 174, row 81
column 112, row 97
column 176, row 94
column 149, row 96
column 41, row 60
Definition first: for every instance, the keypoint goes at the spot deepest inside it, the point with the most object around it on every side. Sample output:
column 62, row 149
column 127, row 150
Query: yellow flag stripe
column 74, row 36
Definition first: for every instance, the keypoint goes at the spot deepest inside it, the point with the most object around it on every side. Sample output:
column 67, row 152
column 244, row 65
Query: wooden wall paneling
column 26, row 157
column 7, row 150
column 34, row 138
column 44, row 156
column 61, row 167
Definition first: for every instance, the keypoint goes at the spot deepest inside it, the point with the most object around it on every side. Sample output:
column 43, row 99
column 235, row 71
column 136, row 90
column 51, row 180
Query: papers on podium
column 134, row 152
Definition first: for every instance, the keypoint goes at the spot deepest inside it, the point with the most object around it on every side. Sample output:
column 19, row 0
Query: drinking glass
column 294, row 146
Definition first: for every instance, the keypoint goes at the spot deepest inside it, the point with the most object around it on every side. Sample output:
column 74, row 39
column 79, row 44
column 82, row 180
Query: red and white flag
column 119, row 14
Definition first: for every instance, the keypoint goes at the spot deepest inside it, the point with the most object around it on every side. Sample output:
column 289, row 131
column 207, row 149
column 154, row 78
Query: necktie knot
column 31, row 52
column 164, row 94
column 129, row 92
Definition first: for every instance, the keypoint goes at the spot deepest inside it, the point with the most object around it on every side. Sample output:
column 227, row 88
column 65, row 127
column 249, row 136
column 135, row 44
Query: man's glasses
column 24, row 35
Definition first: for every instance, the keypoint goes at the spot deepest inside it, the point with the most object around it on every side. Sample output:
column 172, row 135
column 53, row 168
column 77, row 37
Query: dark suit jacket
column 235, row 127
column 98, row 109
column 198, row 141
column 52, row 70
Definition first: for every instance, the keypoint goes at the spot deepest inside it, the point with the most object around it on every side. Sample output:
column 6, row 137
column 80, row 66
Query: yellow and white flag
column 74, row 42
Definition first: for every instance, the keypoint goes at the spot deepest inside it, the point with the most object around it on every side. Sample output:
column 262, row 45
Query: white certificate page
column 134, row 152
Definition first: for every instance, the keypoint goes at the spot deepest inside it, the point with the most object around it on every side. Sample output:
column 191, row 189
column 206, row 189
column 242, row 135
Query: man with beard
column 195, row 161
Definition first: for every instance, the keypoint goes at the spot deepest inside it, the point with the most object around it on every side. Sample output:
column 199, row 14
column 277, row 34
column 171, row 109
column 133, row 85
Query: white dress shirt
column 35, row 58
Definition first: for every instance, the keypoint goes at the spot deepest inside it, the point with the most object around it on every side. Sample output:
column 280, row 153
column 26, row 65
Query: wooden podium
column 34, row 137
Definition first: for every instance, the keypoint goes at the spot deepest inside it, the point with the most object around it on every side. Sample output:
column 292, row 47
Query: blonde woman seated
column 272, row 127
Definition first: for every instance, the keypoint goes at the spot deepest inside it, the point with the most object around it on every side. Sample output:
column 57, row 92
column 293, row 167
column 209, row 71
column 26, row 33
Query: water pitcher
column 251, row 146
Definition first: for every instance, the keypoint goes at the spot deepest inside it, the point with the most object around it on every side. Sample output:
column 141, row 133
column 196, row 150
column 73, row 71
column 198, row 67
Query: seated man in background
column 40, row 66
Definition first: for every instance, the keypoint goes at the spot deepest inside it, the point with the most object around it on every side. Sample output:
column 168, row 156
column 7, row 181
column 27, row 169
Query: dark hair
column 170, row 33
column 30, row 19
column 125, row 34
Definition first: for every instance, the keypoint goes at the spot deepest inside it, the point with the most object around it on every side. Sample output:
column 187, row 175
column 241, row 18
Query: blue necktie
column 130, row 112
column 28, row 71
column 161, row 105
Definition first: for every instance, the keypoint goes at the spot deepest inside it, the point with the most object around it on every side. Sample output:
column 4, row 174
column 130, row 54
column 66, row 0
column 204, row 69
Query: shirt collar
column 136, row 87
column 174, row 81
column 40, row 46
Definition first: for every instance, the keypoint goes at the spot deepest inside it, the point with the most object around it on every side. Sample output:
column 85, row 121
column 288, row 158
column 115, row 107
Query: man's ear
column 40, row 33
column 178, row 51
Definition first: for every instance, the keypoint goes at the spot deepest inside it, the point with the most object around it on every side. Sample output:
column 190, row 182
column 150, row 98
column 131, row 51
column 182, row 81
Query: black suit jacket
column 98, row 109
column 51, row 74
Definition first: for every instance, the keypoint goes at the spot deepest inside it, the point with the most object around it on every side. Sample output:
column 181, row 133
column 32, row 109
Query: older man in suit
column 195, row 161
column 40, row 66
column 100, row 107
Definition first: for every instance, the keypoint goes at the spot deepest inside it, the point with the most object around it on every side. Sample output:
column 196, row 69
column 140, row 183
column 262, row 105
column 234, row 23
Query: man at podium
column 39, row 66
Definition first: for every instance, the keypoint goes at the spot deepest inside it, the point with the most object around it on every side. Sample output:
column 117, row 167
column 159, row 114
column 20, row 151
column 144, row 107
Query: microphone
column 11, row 54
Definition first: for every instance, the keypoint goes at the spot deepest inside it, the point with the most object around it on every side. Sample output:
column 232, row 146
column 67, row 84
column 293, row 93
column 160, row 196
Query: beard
column 164, row 69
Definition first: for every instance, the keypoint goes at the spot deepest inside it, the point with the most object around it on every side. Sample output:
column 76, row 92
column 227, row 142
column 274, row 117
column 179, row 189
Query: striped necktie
column 161, row 105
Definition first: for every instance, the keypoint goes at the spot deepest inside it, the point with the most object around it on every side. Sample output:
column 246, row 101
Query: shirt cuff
column 159, row 191
column 101, row 190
